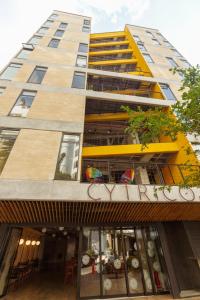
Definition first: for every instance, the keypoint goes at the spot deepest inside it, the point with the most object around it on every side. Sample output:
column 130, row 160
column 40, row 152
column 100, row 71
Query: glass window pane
column 167, row 91
column 63, row 25
column 10, row 71
column 43, row 30
column 59, row 33
column 54, row 43
column 167, row 44
column 35, row 40
column 134, row 268
column 48, row 23
column 144, row 260
column 148, row 58
column 113, row 265
column 7, row 140
column 83, row 47
column 53, row 16
column 137, row 39
column 2, row 89
column 23, row 54
column 90, row 263
column 155, row 42
column 37, row 75
column 141, row 47
column 156, row 260
column 78, row 80
column 172, row 62
column 86, row 22
column 67, row 166
column 23, row 104
column 81, row 61
column 86, row 28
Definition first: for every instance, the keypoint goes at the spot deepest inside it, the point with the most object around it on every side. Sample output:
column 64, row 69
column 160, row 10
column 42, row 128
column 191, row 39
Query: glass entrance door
column 121, row 262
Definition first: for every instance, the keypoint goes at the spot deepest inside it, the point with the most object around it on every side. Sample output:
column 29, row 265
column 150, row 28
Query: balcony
column 123, row 86
column 131, row 172
column 107, row 39
column 122, row 68
column 106, row 57
column 110, row 48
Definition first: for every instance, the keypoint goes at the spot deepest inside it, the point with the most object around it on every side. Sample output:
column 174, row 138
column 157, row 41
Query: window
column 43, row 30
column 78, row 80
column 172, row 62
column 23, row 54
column 185, row 63
column 7, row 140
column 37, row 75
column 86, row 28
column 175, row 52
column 2, row 89
column 86, row 22
column 35, row 39
column 155, row 42
column 83, row 48
column 148, row 58
column 141, row 47
column 167, row 92
column 137, row 39
column 10, row 72
column 54, row 43
column 63, row 25
column 48, row 23
column 67, row 165
column 23, row 104
column 150, row 34
column 167, row 44
column 160, row 35
column 81, row 61
column 53, row 16
column 59, row 33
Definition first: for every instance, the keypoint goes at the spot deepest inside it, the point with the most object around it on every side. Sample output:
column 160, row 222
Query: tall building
column 79, row 197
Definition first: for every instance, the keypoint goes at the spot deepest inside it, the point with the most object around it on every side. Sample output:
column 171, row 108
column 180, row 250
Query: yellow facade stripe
column 107, row 35
column 100, row 151
column 113, row 62
column 109, row 44
column 106, row 117
column 110, row 52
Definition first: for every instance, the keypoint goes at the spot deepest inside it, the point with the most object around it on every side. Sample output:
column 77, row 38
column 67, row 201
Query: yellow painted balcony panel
column 107, row 35
column 106, row 117
column 110, row 52
column 109, row 44
column 118, row 150
column 113, row 62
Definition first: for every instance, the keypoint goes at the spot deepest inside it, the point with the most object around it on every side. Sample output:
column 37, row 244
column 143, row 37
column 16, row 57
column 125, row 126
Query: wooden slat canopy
column 94, row 213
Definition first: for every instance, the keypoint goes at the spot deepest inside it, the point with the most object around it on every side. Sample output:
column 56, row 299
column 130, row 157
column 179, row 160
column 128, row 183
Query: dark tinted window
column 59, row 33
column 54, row 43
column 37, row 75
column 167, row 91
column 79, row 80
column 83, row 47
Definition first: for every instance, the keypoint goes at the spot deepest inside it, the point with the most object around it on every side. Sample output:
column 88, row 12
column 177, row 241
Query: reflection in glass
column 113, row 266
column 7, row 140
column 23, row 104
column 90, row 264
column 156, row 260
column 144, row 261
column 134, row 269
column 67, row 166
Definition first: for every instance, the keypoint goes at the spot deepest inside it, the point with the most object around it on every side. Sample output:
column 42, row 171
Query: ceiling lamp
column 33, row 243
column 21, row 241
column 37, row 243
column 28, row 242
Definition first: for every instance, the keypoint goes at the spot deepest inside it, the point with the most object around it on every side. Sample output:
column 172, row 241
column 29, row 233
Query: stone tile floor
column 48, row 287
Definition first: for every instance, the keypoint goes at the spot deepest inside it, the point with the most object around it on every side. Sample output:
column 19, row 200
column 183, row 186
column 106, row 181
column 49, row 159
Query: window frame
column 53, row 16
column 156, row 42
column 42, row 27
column 59, row 153
column 165, row 86
column 147, row 54
column 174, row 65
column 18, row 98
column 83, row 74
column 81, row 57
column 86, row 22
column 35, row 69
column 2, row 90
column 23, row 49
column 37, row 37
column 83, row 44
column 63, row 28
column 6, row 68
column 59, row 30
column 46, row 25
column 86, row 27
column 141, row 44
column 54, row 39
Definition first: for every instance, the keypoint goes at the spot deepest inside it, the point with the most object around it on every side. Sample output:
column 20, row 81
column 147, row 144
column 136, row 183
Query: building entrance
column 41, row 263
column 121, row 262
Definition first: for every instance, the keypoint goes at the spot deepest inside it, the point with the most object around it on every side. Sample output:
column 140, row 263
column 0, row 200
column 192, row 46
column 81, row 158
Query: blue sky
column 177, row 20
